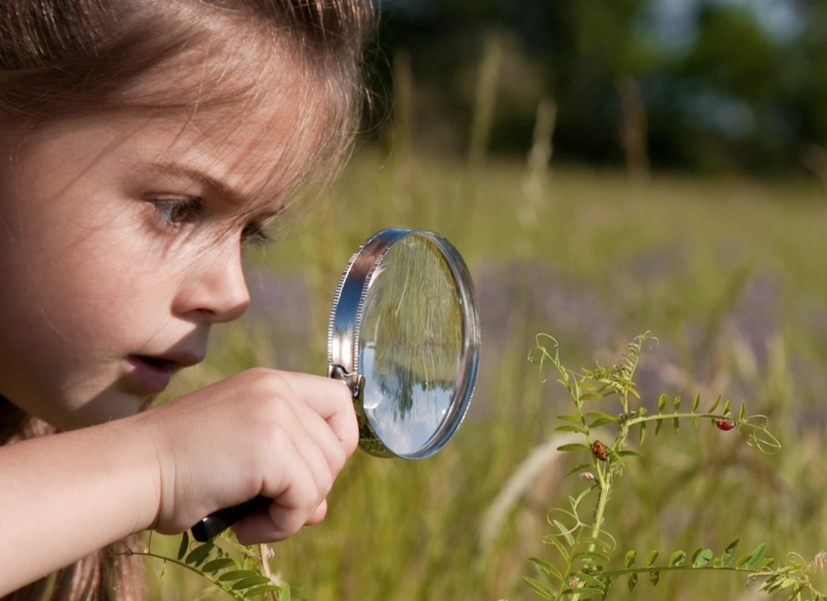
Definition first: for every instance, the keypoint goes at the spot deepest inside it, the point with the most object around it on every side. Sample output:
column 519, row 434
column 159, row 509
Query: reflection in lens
column 411, row 339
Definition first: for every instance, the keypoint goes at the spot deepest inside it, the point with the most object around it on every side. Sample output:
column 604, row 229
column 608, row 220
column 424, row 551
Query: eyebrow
column 218, row 187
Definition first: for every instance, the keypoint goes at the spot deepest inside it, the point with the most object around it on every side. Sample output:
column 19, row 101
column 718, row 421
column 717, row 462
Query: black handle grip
column 218, row 522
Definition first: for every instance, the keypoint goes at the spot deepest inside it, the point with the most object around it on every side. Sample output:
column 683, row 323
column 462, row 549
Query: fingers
column 332, row 401
column 311, row 432
column 260, row 526
column 308, row 457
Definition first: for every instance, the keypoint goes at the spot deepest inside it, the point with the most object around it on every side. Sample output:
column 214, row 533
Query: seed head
column 574, row 582
column 587, row 477
column 819, row 562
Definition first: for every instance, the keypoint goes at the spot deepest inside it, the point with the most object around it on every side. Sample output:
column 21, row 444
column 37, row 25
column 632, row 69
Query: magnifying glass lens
column 404, row 335
column 411, row 344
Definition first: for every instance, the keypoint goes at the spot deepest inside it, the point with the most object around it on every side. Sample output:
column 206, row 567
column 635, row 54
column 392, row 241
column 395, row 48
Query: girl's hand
column 282, row 435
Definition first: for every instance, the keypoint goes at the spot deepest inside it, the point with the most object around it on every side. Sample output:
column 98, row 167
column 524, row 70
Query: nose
column 215, row 287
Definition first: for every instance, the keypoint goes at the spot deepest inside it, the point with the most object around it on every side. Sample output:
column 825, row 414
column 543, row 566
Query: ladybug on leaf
column 599, row 451
column 724, row 424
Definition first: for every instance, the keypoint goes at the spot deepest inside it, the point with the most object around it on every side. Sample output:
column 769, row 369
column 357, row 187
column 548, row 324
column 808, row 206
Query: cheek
column 90, row 286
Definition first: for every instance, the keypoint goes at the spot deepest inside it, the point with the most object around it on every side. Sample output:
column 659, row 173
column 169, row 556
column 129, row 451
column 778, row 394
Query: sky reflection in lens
column 411, row 340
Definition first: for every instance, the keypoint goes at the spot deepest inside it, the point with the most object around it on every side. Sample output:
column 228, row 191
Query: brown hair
column 62, row 59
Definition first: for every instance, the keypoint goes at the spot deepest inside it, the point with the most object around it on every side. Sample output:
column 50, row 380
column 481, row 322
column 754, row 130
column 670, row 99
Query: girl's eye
column 178, row 210
column 255, row 235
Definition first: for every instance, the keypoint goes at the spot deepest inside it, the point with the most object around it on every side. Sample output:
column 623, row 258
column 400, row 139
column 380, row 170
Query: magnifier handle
column 218, row 522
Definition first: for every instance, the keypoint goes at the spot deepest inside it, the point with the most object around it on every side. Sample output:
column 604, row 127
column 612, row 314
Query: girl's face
column 116, row 258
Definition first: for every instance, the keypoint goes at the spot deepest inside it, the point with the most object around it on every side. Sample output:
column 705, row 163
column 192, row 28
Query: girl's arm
column 260, row 432
column 67, row 495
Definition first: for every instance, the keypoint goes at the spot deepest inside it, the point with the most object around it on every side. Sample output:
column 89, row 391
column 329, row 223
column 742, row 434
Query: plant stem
column 681, row 569
column 665, row 416
column 598, row 516
column 265, row 566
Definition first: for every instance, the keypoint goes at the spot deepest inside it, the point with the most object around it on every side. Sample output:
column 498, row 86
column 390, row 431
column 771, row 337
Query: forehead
column 250, row 119
column 250, row 152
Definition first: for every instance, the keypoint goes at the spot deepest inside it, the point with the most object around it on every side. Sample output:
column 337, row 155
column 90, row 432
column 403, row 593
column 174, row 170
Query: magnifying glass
column 404, row 335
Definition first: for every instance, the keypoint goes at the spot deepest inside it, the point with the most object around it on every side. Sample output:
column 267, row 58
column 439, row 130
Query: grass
column 729, row 275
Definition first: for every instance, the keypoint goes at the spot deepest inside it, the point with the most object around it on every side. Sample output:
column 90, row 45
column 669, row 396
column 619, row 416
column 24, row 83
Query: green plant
column 584, row 547
column 248, row 578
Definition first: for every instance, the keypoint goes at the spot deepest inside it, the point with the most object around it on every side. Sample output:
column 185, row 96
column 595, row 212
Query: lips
column 154, row 373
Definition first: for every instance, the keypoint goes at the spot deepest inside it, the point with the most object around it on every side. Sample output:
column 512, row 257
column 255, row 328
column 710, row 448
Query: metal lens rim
column 346, row 319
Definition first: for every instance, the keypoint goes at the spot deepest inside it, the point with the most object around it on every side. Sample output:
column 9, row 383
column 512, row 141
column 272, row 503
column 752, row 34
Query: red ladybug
column 724, row 424
column 598, row 450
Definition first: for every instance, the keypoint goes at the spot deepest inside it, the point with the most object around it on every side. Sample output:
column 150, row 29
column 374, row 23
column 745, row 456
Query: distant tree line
column 721, row 87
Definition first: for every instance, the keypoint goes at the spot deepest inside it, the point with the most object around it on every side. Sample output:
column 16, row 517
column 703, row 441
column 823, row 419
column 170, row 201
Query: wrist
column 135, row 443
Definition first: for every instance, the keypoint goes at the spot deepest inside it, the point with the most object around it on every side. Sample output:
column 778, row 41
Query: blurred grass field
column 729, row 275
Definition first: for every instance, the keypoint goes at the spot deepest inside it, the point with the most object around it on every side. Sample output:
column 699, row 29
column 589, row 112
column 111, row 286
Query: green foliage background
column 728, row 274
column 728, row 85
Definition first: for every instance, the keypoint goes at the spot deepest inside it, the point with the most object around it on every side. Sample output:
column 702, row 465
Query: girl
column 141, row 145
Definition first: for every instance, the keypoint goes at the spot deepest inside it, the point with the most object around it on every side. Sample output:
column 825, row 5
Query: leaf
column 577, row 429
column 703, row 558
column 602, row 415
column 552, row 540
column 651, row 556
column 547, row 568
column 642, row 433
column 569, row 418
column 185, row 543
column 565, row 532
column 767, row 561
column 658, row 426
column 539, row 588
column 582, row 466
column 267, row 588
column 199, row 554
column 601, row 421
column 695, row 554
column 715, row 404
column 589, row 540
column 696, row 402
column 591, row 555
column 237, row 575
column 654, row 578
column 590, row 396
column 630, row 558
column 632, row 582
column 661, row 403
column 729, row 552
column 628, row 453
column 727, row 408
column 250, row 582
column 742, row 560
column 677, row 403
column 573, row 447
column 591, row 580
column 743, row 411
column 582, row 591
column 677, row 558
column 285, row 592
column 694, row 421
column 757, row 555
column 217, row 564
